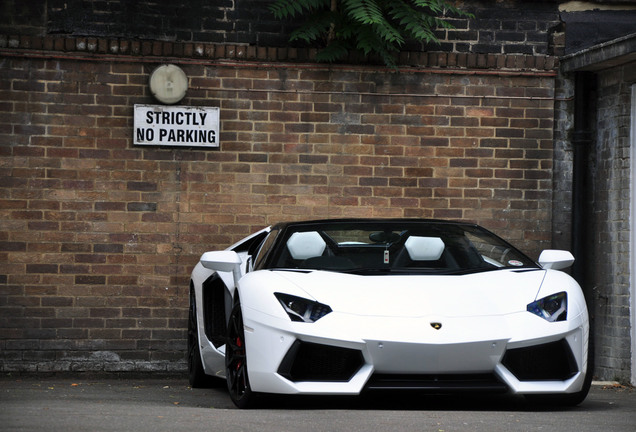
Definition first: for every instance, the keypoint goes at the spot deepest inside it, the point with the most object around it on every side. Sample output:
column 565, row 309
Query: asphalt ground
column 150, row 404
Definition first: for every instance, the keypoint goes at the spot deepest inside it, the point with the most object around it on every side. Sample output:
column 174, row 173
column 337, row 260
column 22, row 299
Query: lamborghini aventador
column 341, row 307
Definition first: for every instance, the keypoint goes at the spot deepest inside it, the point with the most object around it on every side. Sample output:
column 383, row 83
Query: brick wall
column 99, row 236
column 502, row 27
column 505, row 27
column 609, row 244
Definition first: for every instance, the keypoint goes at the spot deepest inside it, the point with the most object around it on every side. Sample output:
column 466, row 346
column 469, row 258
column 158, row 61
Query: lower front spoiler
column 460, row 383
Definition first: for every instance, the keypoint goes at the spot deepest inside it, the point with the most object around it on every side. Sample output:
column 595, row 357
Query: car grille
column 548, row 362
column 437, row 383
column 315, row 362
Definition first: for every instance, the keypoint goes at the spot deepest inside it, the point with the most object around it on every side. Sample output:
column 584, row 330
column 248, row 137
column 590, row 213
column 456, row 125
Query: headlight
column 552, row 308
column 301, row 309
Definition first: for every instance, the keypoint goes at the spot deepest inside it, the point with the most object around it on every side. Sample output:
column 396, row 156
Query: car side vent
column 547, row 362
column 214, row 310
column 315, row 362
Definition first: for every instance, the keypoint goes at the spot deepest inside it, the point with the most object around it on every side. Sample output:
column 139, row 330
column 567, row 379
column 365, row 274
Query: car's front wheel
column 238, row 382
column 196, row 374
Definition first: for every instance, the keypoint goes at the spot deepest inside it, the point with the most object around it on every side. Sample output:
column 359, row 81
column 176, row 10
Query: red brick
column 127, row 223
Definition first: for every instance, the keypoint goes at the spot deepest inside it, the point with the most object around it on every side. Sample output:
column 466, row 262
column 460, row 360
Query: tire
column 196, row 374
column 238, row 382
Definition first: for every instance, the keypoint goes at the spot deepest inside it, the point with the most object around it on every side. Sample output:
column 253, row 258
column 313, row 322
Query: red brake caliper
column 238, row 344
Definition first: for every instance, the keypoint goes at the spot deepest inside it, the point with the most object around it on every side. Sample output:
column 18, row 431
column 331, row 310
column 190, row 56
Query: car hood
column 487, row 293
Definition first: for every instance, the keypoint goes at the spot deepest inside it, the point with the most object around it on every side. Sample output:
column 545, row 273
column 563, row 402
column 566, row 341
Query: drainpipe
column 585, row 83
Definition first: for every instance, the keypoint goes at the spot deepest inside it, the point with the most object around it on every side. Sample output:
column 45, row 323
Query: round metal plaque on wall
column 168, row 84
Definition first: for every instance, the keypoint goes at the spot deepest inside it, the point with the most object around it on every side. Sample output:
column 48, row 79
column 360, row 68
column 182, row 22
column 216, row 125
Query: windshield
column 382, row 247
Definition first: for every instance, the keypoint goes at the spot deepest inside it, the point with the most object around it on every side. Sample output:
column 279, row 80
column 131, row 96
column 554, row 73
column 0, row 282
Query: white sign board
column 176, row 126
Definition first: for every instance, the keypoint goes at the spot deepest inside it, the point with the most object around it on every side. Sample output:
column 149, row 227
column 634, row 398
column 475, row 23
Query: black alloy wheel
column 236, row 361
column 196, row 374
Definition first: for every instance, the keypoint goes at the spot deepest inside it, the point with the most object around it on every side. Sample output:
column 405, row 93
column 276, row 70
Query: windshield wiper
column 368, row 270
column 290, row 269
column 465, row 271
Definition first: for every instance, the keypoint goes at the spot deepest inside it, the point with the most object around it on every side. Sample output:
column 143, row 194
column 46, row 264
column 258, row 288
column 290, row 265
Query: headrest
column 303, row 245
column 424, row 248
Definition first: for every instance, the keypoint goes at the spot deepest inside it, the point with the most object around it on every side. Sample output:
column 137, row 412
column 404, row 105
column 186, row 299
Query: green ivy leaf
column 373, row 27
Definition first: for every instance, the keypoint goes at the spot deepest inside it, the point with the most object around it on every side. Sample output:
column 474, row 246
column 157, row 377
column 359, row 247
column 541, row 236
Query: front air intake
column 307, row 361
column 547, row 362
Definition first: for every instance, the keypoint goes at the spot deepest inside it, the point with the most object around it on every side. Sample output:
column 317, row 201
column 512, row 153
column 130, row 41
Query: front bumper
column 519, row 353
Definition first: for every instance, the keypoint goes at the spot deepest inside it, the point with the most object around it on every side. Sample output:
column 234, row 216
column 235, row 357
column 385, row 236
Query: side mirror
column 555, row 259
column 223, row 261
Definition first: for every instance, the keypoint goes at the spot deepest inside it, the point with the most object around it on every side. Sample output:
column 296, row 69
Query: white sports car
column 338, row 307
